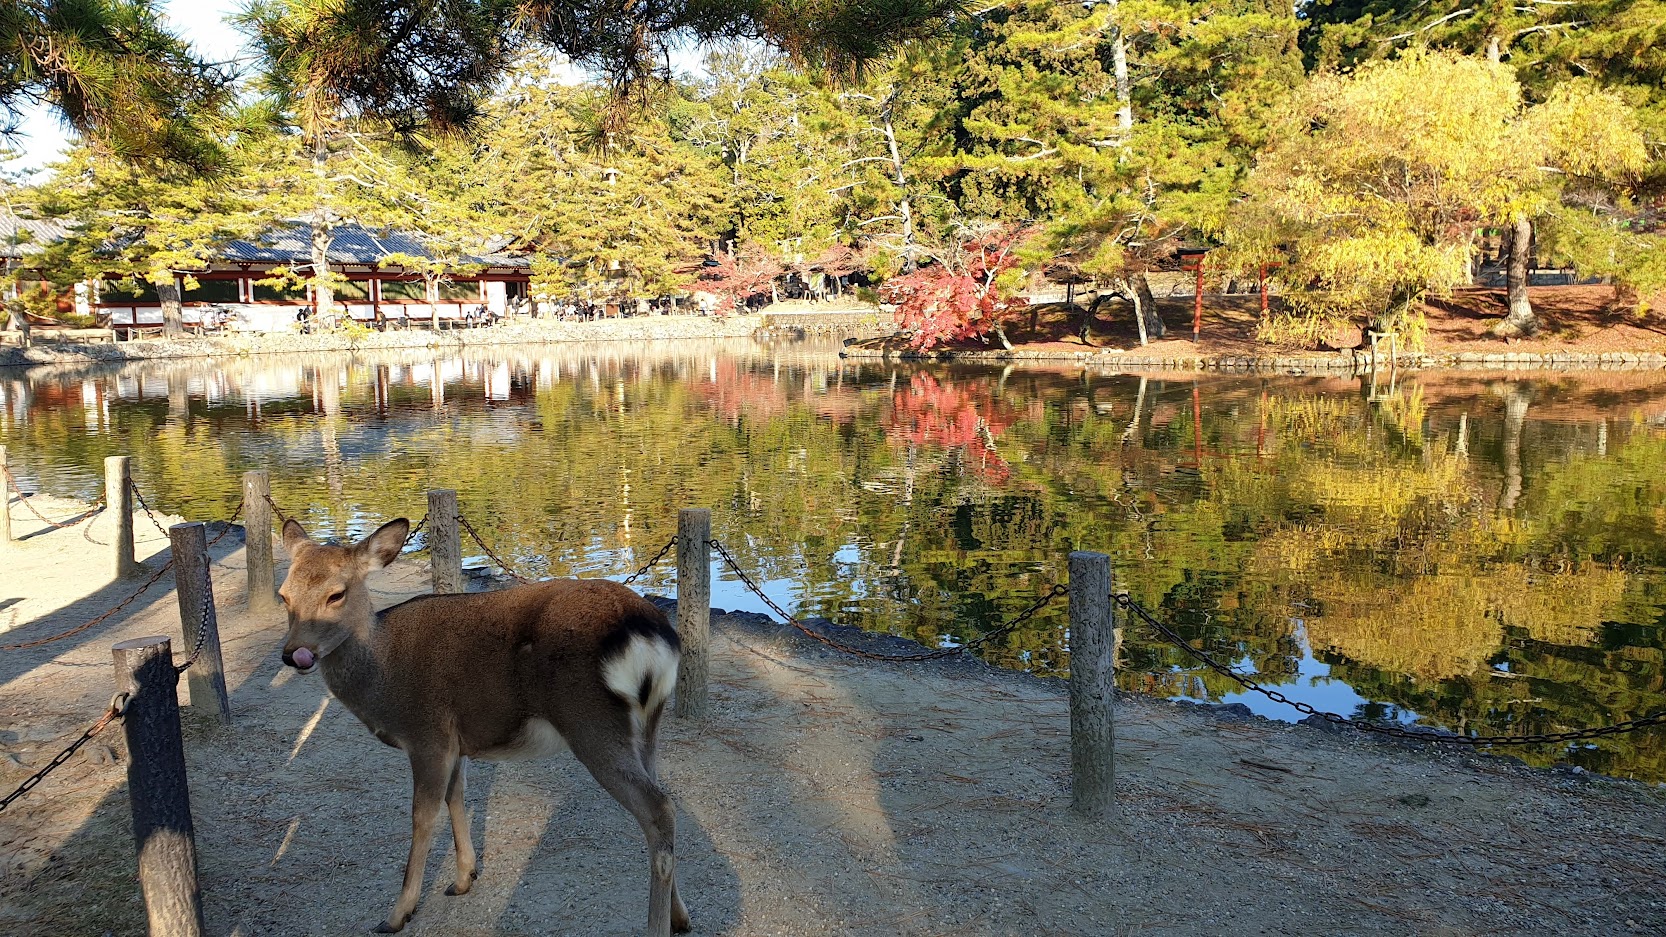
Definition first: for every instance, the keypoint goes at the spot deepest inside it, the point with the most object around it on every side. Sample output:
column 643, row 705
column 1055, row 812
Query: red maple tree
column 736, row 278
column 961, row 293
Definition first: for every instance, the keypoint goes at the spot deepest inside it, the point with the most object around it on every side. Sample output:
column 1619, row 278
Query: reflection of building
column 230, row 293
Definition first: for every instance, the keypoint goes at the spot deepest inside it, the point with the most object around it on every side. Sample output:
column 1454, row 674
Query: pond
column 1480, row 552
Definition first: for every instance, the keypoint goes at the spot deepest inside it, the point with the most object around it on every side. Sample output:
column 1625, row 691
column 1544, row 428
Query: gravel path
column 825, row 795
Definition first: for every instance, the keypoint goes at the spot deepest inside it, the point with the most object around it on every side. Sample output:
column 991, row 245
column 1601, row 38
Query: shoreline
column 530, row 332
column 823, row 794
column 1114, row 358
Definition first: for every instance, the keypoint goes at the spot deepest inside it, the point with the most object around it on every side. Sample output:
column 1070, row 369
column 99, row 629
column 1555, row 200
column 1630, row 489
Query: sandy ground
column 825, row 795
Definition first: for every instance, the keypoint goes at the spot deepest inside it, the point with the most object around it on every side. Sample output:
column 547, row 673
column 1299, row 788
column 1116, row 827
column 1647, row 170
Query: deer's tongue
column 302, row 657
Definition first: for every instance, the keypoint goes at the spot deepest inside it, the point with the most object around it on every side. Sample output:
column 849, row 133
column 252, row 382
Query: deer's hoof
column 388, row 927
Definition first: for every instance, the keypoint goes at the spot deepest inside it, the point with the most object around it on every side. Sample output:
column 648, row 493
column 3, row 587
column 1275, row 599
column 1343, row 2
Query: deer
column 582, row 665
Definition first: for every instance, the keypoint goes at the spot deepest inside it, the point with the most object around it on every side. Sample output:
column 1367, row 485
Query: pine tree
column 116, row 75
column 133, row 224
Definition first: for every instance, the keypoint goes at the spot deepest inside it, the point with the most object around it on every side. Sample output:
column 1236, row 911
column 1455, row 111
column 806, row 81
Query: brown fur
column 447, row 677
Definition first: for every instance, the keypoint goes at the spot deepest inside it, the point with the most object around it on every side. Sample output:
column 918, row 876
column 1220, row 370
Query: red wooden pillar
column 1197, row 302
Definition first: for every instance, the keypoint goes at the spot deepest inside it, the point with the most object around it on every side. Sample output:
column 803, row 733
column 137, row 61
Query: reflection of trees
column 940, row 502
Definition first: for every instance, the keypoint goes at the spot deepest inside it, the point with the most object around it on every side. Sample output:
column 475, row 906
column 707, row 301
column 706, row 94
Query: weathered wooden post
column 1092, row 687
column 257, row 539
column 156, row 786
column 5, row 498
column 694, row 594
column 445, row 542
column 207, row 676
column 118, row 499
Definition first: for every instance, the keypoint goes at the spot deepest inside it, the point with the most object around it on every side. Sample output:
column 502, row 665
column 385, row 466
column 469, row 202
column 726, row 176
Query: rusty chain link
column 490, row 553
column 140, row 497
column 118, row 705
column 651, row 563
column 1416, row 735
column 411, row 534
column 154, row 578
column 972, row 645
column 26, row 500
column 282, row 517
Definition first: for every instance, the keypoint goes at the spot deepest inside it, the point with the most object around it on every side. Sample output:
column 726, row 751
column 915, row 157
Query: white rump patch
column 643, row 658
column 537, row 739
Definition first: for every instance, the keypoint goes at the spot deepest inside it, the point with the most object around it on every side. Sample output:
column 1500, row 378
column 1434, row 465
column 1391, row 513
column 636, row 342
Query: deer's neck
column 355, row 673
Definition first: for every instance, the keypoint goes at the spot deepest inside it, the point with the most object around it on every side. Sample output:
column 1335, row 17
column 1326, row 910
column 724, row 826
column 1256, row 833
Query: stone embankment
column 1298, row 363
column 527, row 331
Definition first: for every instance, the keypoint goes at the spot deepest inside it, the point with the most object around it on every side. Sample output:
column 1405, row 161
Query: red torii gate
column 1191, row 258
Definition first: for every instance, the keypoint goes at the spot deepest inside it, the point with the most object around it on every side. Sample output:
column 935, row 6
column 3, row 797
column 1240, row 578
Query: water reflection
column 1480, row 552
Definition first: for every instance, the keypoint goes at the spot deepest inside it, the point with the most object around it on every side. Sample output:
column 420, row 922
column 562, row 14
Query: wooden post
column 118, row 501
column 445, row 542
column 5, row 498
column 207, row 676
column 694, row 593
column 257, row 539
column 1092, row 687
column 156, row 786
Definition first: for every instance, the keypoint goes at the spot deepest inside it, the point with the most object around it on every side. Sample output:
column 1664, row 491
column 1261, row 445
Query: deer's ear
column 382, row 547
column 293, row 536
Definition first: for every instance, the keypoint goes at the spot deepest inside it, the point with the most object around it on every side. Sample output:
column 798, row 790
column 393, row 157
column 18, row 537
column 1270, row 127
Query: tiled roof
column 20, row 236
column 349, row 244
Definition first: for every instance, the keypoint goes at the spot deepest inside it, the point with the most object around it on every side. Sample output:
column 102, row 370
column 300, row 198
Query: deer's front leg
column 468, row 868
column 430, row 775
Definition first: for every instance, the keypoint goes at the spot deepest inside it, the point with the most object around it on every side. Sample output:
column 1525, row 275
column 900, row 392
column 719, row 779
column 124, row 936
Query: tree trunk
column 19, row 320
column 1139, row 313
column 1119, row 70
column 1146, row 304
column 1001, row 334
column 1521, row 321
column 431, row 289
column 903, row 207
column 323, row 295
column 173, row 314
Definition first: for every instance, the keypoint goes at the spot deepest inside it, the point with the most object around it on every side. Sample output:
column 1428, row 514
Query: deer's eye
column 335, row 598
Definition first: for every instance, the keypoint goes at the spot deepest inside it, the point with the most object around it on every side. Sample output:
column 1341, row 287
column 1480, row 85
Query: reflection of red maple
column 965, row 416
column 958, row 296
column 738, row 391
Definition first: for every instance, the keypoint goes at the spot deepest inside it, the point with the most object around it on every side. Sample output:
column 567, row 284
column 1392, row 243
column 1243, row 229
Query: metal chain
column 148, row 512
column 118, row 705
column 651, row 563
column 26, row 500
column 202, row 626
column 1417, row 735
column 490, row 553
column 282, row 517
column 413, row 531
column 154, row 578
column 971, row 645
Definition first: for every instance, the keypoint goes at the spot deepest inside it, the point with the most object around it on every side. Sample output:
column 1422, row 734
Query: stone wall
column 1299, row 363
column 527, row 331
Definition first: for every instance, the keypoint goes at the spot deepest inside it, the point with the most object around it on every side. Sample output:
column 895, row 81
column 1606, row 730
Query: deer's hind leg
column 615, row 760
column 468, row 866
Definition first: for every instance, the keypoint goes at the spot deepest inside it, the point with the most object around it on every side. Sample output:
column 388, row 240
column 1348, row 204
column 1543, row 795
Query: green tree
column 136, row 223
column 1376, row 184
column 116, row 76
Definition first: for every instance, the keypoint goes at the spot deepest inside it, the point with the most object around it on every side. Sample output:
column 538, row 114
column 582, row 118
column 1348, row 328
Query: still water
column 1484, row 553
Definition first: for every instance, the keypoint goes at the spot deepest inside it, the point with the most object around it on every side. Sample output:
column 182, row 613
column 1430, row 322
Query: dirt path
column 825, row 795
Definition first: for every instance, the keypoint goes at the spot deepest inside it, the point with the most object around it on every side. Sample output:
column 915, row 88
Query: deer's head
column 325, row 593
